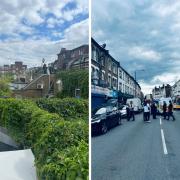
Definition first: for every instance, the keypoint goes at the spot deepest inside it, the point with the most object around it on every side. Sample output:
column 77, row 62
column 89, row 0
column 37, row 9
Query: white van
column 137, row 104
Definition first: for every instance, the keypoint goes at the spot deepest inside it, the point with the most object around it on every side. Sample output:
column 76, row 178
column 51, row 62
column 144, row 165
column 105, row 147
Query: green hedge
column 73, row 79
column 68, row 108
column 60, row 147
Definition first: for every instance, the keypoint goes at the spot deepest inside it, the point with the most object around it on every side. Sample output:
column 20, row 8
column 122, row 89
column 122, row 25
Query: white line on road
column 160, row 121
column 163, row 142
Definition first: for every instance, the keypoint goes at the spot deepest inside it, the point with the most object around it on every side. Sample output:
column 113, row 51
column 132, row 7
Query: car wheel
column 104, row 128
column 119, row 121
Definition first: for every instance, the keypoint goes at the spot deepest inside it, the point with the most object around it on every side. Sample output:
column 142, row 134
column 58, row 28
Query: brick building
column 17, row 70
column 77, row 58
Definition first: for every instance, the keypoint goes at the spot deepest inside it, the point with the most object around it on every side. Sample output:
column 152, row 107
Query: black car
column 105, row 118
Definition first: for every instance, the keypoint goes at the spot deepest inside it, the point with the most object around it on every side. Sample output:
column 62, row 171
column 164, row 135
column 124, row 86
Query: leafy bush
column 60, row 147
column 68, row 108
column 73, row 79
column 4, row 87
column 69, row 164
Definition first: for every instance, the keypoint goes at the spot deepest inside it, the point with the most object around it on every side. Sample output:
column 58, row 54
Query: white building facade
column 176, row 89
column 127, row 84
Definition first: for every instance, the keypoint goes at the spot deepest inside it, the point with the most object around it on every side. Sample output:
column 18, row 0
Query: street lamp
column 135, row 74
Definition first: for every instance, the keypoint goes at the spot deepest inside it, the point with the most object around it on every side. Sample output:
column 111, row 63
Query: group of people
column 168, row 111
column 150, row 109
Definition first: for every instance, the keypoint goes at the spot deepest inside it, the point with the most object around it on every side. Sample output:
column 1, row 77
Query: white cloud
column 32, row 51
column 146, row 88
column 166, row 78
column 144, row 53
column 77, row 33
column 19, row 16
column 165, row 8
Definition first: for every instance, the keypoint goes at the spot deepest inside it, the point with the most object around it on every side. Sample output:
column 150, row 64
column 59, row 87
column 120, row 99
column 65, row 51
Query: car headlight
column 96, row 121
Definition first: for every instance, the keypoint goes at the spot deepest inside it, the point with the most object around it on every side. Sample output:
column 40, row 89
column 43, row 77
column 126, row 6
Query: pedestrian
column 146, row 112
column 153, row 110
column 164, row 109
column 149, row 111
column 128, row 112
column 170, row 111
column 132, row 110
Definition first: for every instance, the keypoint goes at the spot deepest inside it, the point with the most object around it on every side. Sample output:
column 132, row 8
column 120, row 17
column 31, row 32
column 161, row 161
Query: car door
column 110, row 117
column 114, row 116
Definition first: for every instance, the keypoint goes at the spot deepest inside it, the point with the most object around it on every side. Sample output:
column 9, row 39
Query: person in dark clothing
column 154, row 110
column 164, row 110
column 128, row 113
column 170, row 111
column 44, row 69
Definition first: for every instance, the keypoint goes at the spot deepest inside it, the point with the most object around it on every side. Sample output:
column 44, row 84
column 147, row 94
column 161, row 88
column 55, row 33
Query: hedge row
column 68, row 108
column 60, row 147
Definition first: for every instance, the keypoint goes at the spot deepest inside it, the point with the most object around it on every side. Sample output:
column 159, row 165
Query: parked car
column 123, row 110
column 137, row 104
column 105, row 118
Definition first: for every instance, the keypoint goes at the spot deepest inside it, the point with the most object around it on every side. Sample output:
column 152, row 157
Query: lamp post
column 135, row 74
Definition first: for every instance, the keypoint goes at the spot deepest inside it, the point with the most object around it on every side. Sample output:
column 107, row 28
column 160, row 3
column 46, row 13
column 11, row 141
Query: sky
column 144, row 35
column 35, row 29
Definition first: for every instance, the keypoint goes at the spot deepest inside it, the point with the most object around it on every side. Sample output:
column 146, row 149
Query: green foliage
column 68, row 108
column 4, row 87
column 73, row 79
column 69, row 164
column 60, row 147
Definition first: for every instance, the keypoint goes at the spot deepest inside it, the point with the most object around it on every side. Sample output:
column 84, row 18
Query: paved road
column 135, row 151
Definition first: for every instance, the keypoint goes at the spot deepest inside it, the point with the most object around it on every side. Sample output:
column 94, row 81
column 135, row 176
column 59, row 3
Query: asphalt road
column 137, row 151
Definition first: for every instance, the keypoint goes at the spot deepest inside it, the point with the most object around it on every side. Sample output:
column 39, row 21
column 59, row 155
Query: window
column 109, row 64
column 120, row 73
column 109, row 81
column 95, row 54
column 103, row 76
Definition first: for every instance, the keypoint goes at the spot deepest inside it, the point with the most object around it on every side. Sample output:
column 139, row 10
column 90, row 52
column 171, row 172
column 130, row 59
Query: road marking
column 160, row 121
column 163, row 142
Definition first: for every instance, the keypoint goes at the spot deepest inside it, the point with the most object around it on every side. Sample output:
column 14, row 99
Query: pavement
column 138, row 151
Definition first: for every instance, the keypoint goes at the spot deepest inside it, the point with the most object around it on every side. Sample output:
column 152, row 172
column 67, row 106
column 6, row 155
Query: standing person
column 132, row 110
column 164, row 109
column 128, row 112
column 146, row 112
column 154, row 110
column 149, row 111
column 170, row 111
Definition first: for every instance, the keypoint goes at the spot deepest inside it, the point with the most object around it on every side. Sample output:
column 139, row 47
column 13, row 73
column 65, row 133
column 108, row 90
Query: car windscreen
column 101, row 111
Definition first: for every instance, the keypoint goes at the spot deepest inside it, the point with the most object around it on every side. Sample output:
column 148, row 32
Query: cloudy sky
column 34, row 29
column 141, row 34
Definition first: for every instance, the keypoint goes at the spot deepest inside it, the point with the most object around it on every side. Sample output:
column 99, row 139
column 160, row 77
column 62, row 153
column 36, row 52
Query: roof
column 107, row 53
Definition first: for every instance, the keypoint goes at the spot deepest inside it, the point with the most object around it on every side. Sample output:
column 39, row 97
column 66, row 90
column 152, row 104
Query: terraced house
column 109, row 78
column 77, row 58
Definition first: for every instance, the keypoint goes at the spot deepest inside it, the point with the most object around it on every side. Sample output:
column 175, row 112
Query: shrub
column 56, row 143
column 68, row 108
